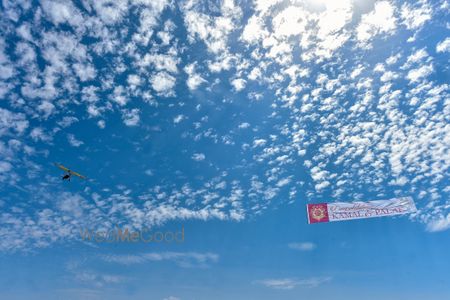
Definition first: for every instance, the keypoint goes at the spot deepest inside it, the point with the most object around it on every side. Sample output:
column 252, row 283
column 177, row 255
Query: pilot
column 67, row 176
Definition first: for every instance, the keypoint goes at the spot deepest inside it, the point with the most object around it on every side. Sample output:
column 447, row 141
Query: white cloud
column 198, row 156
column 415, row 18
column 440, row 224
column 182, row 259
column 38, row 134
column 418, row 56
column 283, row 182
column 290, row 283
column 380, row 20
column 47, row 108
column 94, row 278
column 393, row 59
column 44, row 227
column 213, row 30
column 305, row 246
column 6, row 71
column 194, row 79
column 12, row 121
column 119, row 96
column 322, row 185
column 101, row 124
column 62, row 12
column 264, row 5
column 415, row 75
column 259, row 143
column 110, row 12
column 282, row 284
column 166, row 35
column 238, row 84
column 5, row 167
column 131, row 117
column 336, row 15
column 134, row 80
column 73, row 141
column 244, row 125
column 254, row 30
column 178, row 119
column 163, row 83
column 291, row 21
column 388, row 76
column 67, row 121
column 443, row 46
column 356, row 72
column 85, row 71
column 162, row 62
column 24, row 31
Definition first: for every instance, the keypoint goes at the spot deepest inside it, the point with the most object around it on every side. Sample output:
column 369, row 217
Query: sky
column 217, row 122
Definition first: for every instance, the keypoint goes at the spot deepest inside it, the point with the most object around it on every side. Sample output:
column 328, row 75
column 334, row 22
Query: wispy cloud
column 198, row 156
column 439, row 224
column 305, row 246
column 74, row 141
column 291, row 283
column 86, row 276
column 182, row 259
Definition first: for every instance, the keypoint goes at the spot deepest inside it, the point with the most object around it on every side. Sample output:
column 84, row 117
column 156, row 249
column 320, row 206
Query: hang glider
column 69, row 172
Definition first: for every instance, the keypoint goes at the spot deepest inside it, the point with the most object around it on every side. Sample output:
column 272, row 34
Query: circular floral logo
column 318, row 212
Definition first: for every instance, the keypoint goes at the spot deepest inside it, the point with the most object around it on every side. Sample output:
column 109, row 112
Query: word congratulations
column 119, row 235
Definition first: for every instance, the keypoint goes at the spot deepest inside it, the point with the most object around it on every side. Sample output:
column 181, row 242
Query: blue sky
column 224, row 118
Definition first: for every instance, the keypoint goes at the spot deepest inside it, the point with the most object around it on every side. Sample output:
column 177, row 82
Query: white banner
column 341, row 211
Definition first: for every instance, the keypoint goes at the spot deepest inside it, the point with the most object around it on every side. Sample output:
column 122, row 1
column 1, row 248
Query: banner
column 341, row 211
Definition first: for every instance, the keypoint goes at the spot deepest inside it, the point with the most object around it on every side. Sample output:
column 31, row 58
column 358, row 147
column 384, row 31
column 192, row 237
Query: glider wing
column 76, row 174
column 68, row 170
column 62, row 167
